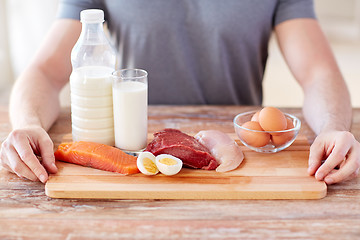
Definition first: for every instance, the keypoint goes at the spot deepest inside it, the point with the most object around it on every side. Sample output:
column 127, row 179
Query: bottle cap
column 92, row 16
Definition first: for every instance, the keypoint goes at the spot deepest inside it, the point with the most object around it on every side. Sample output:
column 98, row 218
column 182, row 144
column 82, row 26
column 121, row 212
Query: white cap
column 92, row 16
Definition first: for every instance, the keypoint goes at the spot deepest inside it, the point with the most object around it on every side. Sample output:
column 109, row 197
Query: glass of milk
column 130, row 103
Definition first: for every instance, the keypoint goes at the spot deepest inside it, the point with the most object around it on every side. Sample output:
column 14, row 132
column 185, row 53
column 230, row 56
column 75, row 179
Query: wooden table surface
column 27, row 213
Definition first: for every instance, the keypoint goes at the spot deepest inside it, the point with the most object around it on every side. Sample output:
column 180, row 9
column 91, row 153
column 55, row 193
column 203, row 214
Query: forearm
column 327, row 104
column 34, row 104
column 327, row 110
column 34, row 100
column 327, row 107
column 35, row 96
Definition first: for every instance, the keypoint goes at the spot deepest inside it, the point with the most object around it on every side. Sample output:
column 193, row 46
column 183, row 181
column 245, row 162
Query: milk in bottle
column 93, row 60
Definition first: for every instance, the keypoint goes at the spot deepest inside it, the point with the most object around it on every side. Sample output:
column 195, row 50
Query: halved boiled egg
column 168, row 164
column 146, row 163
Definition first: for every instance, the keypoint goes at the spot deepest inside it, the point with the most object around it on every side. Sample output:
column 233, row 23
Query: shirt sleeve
column 291, row 9
column 72, row 8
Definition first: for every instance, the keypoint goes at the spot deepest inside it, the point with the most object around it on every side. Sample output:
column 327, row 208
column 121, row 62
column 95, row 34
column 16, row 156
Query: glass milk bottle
column 93, row 60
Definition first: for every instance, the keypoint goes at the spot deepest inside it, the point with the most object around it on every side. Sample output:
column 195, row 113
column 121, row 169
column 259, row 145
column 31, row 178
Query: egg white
column 168, row 169
column 140, row 163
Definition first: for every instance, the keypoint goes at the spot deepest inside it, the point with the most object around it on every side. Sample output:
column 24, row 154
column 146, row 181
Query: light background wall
column 340, row 21
column 23, row 24
column 6, row 73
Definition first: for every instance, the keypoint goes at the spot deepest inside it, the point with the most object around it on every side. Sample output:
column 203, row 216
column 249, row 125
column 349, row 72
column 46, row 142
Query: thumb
column 316, row 156
column 46, row 147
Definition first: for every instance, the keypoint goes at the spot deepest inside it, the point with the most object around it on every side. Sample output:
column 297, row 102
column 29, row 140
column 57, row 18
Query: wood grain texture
column 27, row 213
column 260, row 176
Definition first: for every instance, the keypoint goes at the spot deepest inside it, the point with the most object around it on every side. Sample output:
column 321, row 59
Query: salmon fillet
column 96, row 155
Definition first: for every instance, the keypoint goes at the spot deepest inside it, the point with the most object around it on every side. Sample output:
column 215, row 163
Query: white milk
column 91, row 105
column 130, row 115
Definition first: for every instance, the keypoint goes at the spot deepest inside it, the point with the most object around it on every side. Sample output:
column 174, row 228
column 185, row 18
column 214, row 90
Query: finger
column 47, row 154
column 6, row 166
column 19, row 167
column 337, row 155
column 340, row 165
column 353, row 175
column 4, row 163
column 315, row 156
column 27, row 155
column 350, row 167
column 3, row 159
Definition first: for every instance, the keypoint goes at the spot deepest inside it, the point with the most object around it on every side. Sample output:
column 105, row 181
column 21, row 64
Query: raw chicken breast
column 225, row 150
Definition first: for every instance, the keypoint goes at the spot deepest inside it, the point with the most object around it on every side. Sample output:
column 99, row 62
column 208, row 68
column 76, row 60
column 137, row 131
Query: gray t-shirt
column 195, row 51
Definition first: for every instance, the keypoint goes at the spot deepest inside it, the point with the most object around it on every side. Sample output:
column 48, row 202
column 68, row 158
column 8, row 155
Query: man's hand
column 35, row 106
column 21, row 151
column 341, row 153
column 327, row 105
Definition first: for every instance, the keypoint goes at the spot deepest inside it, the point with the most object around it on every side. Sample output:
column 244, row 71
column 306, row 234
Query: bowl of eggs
column 268, row 130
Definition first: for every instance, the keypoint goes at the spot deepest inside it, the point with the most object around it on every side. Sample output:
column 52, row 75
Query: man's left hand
column 334, row 157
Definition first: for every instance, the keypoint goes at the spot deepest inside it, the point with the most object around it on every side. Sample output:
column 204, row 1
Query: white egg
column 168, row 164
column 146, row 163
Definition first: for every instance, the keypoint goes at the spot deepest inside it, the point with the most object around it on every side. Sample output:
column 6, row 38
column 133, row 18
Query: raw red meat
column 187, row 148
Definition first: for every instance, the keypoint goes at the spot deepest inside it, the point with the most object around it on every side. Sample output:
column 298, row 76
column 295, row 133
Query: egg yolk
column 149, row 165
column 167, row 161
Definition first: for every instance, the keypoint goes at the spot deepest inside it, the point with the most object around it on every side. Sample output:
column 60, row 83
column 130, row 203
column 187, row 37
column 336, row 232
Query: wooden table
column 27, row 213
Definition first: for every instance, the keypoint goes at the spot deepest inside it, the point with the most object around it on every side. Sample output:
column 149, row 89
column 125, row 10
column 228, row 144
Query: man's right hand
column 35, row 106
column 29, row 153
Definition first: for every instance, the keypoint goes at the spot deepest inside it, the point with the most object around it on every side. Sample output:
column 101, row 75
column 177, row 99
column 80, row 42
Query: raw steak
column 187, row 148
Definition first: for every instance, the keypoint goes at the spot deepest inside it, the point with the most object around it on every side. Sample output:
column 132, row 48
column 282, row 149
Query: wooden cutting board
column 281, row 175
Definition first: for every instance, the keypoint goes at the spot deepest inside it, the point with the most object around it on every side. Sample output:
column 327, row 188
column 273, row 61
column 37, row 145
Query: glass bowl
column 279, row 140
